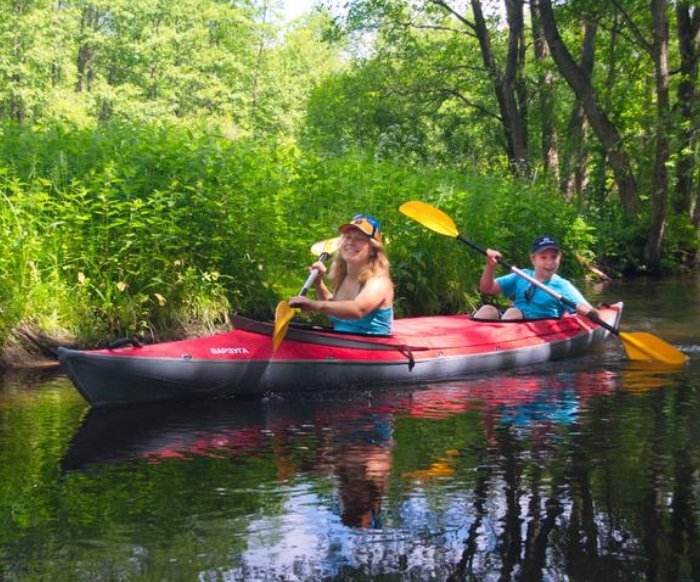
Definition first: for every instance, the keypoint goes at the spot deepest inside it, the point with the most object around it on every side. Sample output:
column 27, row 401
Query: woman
column 363, row 297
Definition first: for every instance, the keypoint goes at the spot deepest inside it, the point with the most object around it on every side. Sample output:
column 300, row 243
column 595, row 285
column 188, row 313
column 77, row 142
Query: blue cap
column 544, row 242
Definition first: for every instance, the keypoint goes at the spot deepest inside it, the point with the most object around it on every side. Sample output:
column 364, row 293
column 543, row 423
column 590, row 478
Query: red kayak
column 421, row 349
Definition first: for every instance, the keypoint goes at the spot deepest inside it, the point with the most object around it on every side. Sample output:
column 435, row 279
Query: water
column 583, row 469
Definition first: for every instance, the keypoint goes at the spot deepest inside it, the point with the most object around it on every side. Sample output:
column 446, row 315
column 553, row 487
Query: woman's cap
column 544, row 242
column 367, row 224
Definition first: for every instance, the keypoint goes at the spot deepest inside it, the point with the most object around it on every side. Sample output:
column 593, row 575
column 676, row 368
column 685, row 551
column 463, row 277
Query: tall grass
column 162, row 229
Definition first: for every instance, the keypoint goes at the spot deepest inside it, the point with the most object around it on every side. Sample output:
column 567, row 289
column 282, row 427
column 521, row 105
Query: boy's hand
column 585, row 309
column 493, row 256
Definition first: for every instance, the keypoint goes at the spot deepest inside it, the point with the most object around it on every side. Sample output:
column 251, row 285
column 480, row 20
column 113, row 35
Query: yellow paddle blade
column 283, row 315
column 430, row 217
column 325, row 246
column 645, row 346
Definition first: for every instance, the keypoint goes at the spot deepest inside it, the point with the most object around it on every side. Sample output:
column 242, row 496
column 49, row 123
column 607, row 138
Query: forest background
column 163, row 164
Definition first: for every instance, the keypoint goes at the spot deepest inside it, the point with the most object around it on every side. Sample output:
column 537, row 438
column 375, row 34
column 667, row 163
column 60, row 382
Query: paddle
column 639, row 345
column 284, row 312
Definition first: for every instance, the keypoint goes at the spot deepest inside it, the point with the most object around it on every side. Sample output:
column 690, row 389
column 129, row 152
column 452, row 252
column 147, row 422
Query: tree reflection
column 523, row 477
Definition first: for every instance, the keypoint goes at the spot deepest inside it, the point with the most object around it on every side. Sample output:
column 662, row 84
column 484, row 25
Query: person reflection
column 363, row 462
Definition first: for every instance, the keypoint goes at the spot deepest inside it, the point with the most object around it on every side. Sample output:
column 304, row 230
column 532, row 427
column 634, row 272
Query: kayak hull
column 241, row 361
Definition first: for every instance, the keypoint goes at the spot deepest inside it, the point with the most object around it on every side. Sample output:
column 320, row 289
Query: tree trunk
column 86, row 53
column 659, row 186
column 508, row 85
column 545, row 81
column 515, row 67
column 258, row 69
column 604, row 129
column 17, row 106
column 689, row 47
column 696, row 212
column 577, row 170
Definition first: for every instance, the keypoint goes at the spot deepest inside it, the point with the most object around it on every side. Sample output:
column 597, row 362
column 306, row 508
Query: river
column 582, row 469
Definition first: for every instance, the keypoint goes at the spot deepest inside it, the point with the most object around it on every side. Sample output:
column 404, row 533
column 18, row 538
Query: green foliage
column 408, row 99
column 166, row 163
column 155, row 229
column 145, row 228
column 85, row 62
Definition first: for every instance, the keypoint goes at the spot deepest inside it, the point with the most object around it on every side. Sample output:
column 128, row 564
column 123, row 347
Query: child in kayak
column 529, row 301
column 363, row 293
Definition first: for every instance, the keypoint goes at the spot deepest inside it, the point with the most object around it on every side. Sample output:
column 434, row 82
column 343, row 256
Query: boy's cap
column 544, row 242
column 367, row 224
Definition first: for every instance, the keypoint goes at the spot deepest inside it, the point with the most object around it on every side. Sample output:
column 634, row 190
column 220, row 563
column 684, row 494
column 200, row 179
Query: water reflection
column 353, row 445
column 526, row 476
column 583, row 469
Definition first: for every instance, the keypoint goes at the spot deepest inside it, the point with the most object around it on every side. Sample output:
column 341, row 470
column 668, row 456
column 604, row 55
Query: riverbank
column 31, row 349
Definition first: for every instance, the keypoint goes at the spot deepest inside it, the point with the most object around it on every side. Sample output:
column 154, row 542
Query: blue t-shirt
column 535, row 303
column 377, row 322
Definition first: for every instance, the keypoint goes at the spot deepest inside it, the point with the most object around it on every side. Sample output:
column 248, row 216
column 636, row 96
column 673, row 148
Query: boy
column 530, row 302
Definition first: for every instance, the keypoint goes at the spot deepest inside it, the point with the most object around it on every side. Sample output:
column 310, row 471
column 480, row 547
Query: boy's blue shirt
column 540, row 303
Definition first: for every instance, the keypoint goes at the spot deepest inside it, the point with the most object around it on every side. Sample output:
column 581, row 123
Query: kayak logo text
column 229, row 351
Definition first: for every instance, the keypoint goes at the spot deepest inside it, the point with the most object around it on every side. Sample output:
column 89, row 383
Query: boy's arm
column 586, row 308
column 582, row 305
column 487, row 283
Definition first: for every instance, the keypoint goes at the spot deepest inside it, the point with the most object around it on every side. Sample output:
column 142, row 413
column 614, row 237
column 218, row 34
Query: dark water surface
column 587, row 469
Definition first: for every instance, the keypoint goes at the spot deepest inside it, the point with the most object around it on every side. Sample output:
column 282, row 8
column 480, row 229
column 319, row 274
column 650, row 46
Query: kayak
column 242, row 362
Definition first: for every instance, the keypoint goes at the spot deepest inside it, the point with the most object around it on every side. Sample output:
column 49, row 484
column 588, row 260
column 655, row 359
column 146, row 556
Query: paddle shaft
column 539, row 285
column 312, row 276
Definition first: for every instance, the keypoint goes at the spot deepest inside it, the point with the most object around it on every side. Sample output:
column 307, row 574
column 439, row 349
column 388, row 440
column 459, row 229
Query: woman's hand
column 320, row 267
column 303, row 303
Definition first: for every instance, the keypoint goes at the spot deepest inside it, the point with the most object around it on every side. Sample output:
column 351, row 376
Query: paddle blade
column 283, row 315
column 430, row 217
column 325, row 246
column 645, row 346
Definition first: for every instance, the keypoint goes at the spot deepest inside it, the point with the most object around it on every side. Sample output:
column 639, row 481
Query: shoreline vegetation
column 162, row 231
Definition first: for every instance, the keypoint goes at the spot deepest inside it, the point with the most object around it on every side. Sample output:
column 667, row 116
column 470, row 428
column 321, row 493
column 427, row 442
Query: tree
column 605, row 130
column 688, row 26
column 508, row 83
column 545, row 80
column 659, row 184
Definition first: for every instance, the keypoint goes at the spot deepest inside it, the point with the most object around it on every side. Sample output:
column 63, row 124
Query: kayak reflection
column 353, row 441
column 348, row 438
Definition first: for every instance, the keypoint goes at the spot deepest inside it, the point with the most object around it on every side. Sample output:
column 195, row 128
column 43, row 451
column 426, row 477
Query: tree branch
column 458, row 16
column 633, row 27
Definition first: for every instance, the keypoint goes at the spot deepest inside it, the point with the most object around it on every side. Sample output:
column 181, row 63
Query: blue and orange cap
column 365, row 223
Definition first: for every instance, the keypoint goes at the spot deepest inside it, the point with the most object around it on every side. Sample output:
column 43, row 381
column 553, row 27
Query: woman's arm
column 322, row 292
column 377, row 292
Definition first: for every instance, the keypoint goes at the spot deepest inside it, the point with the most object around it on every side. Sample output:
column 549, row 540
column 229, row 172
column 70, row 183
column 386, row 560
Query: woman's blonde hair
column 378, row 266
